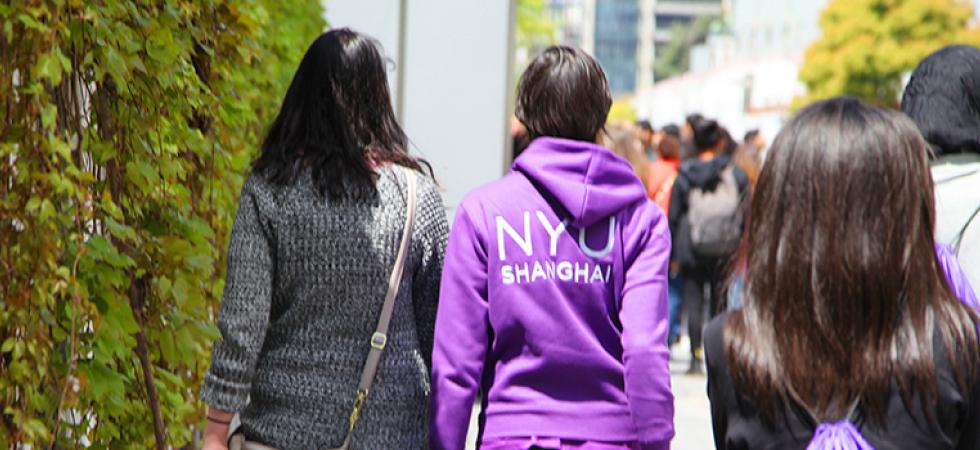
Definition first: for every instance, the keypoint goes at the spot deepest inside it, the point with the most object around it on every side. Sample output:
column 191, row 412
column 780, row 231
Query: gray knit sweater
column 306, row 280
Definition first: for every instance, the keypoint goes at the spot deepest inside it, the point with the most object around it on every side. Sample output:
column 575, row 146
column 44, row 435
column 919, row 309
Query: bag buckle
column 379, row 340
column 355, row 413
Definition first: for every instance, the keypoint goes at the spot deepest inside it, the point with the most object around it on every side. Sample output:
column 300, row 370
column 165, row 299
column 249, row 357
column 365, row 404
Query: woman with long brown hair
column 847, row 324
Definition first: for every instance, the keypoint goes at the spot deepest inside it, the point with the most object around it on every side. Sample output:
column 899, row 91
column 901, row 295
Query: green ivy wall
column 126, row 128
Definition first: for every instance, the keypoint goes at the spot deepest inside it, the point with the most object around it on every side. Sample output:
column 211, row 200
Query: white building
column 451, row 80
column 746, row 79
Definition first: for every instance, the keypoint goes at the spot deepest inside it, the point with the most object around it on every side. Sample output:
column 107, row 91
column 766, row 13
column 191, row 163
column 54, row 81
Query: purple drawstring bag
column 841, row 435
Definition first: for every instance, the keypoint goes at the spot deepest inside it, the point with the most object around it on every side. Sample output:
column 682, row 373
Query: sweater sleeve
column 461, row 336
column 431, row 233
column 245, row 306
column 644, row 317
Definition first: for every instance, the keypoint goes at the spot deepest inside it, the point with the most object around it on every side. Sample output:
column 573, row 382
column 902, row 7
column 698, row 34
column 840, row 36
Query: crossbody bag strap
column 380, row 337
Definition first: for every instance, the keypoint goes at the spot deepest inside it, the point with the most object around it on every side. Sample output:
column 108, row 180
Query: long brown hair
column 843, row 291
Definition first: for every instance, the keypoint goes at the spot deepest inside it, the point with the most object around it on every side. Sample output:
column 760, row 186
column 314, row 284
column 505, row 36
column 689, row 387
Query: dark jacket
column 739, row 426
column 701, row 174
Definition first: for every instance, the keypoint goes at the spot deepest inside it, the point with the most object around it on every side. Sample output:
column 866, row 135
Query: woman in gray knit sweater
column 314, row 241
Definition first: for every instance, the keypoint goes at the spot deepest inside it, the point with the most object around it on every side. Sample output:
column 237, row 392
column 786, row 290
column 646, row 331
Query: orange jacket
column 660, row 181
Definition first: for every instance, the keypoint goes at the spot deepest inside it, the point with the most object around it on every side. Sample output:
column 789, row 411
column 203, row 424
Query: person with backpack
column 554, row 294
column 706, row 216
column 943, row 99
column 659, row 179
column 849, row 336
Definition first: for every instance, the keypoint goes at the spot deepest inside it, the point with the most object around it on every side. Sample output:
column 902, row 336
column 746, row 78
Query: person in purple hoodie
column 553, row 301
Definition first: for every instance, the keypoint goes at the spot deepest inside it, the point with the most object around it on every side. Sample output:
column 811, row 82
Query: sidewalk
column 692, row 414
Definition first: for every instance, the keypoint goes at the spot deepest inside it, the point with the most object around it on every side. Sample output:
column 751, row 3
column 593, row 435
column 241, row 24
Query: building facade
column 623, row 35
column 616, row 37
column 746, row 77
column 437, row 103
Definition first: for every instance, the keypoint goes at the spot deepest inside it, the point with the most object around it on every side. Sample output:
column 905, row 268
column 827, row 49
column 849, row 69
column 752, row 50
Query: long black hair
column 843, row 291
column 336, row 120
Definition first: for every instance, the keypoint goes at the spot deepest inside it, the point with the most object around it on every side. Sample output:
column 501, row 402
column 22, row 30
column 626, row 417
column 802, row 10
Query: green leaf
column 103, row 380
column 121, row 231
column 47, row 210
column 62, row 59
column 161, row 47
column 48, row 66
column 8, row 345
column 59, row 147
column 120, row 316
column 116, row 66
column 167, row 348
column 48, row 115
column 31, row 22
column 209, row 331
column 179, row 290
column 33, row 204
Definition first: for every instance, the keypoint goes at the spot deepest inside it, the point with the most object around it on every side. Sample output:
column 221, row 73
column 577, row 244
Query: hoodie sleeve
column 644, row 316
column 461, row 335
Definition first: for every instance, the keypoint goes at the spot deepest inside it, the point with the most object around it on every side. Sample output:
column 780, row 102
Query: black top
column 738, row 425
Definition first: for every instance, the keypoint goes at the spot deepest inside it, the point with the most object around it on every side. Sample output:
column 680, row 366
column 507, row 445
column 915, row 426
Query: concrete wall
column 451, row 80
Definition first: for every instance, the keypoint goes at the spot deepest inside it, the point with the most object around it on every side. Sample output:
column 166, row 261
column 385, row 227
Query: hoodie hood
column 705, row 173
column 588, row 180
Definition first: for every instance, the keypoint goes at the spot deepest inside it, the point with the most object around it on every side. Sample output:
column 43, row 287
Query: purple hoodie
column 529, row 311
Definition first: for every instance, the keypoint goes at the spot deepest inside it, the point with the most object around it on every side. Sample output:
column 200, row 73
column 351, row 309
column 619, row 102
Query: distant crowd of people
column 354, row 317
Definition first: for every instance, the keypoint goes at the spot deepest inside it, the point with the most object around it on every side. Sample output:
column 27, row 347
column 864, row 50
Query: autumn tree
column 868, row 46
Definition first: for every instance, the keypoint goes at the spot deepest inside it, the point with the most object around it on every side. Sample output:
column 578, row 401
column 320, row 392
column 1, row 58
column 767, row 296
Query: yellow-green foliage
column 125, row 132
column 534, row 27
column 622, row 111
column 868, row 45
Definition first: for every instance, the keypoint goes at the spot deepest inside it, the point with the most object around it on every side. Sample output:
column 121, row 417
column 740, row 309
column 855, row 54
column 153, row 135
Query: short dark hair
column 563, row 93
column 943, row 99
column 750, row 136
column 644, row 125
column 671, row 130
column 693, row 119
column 707, row 133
